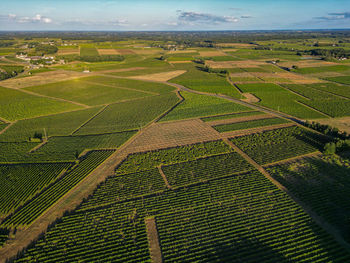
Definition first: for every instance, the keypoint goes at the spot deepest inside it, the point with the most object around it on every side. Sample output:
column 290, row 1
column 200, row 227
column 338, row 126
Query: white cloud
column 191, row 17
column 26, row 19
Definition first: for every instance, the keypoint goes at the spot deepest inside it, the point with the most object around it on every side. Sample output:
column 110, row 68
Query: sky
column 173, row 15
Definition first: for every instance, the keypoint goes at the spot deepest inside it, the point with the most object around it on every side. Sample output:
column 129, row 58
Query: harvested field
column 307, row 63
column 294, row 78
column 179, row 62
column 214, row 53
column 172, row 134
column 235, row 64
column 164, row 76
column 41, row 79
column 109, row 51
column 250, row 98
column 125, row 51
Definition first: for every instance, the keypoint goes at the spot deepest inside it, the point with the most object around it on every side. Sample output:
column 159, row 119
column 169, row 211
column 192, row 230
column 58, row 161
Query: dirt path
column 164, row 177
column 7, row 127
column 320, row 221
column 153, row 240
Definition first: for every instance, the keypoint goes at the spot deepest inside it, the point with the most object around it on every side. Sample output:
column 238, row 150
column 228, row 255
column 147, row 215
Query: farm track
column 320, row 221
column 7, row 127
column 164, row 177
column 153, row 240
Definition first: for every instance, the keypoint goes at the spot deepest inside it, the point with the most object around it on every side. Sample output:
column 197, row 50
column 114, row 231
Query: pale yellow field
column 163, row 76
column 214, row 53
column 109, row 51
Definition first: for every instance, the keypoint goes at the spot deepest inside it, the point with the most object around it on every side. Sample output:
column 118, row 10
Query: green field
column 101, row 161
column 278, row 98
column 16, row 105
column 311, row 179
column 206, row 82
column 249, row 124
column 87, row 93
column 129, row 115
column 195, row 106
column 53, row 125
column 276, row 145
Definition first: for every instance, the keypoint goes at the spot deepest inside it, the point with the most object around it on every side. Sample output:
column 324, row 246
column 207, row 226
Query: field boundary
column 164, row 177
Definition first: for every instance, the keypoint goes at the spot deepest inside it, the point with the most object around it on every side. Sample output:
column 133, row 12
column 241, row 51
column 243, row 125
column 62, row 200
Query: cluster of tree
column 46, row 49
column 7, row 43
column 340, row 140
column 336, row 147
column 10, row 71
column 212, row 70
column 187, row 38
column 330, row 53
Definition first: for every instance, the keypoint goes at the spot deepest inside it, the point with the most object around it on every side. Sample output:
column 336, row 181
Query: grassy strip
column 249, row 124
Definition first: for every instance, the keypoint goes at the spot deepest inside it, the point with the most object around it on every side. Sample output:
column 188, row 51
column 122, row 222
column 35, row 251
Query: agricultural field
column 174, row 147
column 249, row 124
column 310, row 180
column 195, row 106
column 279, row 144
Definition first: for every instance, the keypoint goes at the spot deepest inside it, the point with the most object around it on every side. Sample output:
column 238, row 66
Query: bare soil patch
column 182, row 51
column 250, row 98
column 294, row 78
column 307, row 63
column 163, row 76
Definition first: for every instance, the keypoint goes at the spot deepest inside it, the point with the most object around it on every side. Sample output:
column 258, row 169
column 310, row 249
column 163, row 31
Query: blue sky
column 121, row 15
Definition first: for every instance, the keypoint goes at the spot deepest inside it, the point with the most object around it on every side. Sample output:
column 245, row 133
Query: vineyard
column 276, row 145
column 35, row 207
column 174, row 146
column 263, row 224
column 21, row 182
column 148, row 160
column 249, row 124
column 311, row 179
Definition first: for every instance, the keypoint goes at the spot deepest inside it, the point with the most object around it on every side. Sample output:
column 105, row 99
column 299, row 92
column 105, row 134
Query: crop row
column 279, row 144
column 23, row 181
column 30, row 211
column 249, row 124
column 323, row 184
column 148, row 160
column 266, row 231
column 249, row 208
column 205, row 168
